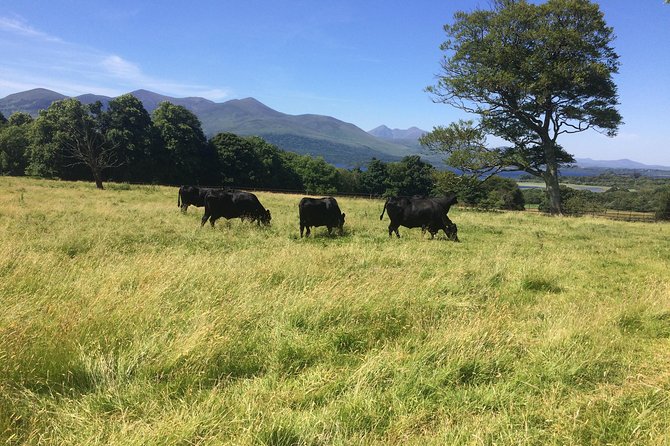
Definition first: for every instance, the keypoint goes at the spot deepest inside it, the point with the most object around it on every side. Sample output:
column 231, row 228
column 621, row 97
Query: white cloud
column 19, row 27
column 32, row 59
column 118, row 67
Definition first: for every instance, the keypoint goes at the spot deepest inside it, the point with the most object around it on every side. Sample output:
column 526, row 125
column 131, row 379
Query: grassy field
column 124, row 323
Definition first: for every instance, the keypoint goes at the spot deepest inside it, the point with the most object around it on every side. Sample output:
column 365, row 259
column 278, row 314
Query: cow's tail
column 384, row 210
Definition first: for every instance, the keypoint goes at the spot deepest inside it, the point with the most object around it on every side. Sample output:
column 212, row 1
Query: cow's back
column 411, row 212
column 247, row 202
column 319, row 211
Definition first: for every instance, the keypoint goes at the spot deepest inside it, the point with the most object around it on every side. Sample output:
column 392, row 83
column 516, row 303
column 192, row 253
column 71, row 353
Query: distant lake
column 572, row 186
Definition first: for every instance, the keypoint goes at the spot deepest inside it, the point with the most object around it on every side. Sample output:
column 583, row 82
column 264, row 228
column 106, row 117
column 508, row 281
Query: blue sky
column 362, row 61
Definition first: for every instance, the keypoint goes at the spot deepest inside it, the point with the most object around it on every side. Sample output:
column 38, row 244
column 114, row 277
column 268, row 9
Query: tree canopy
column 531, row 73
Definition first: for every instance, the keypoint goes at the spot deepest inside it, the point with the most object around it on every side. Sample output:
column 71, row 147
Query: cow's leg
column 184, row 207
column 453, row 233
column 308, row 232
column 302, row 228
column 330, row 230
column 205, row 217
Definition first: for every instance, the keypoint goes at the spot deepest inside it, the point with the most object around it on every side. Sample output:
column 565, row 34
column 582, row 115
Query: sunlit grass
column 124, row 322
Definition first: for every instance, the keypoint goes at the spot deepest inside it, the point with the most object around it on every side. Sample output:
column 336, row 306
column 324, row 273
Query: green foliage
column 409, row 177
column 492, row 193
column 128, row 125
column 252, row 162
column 466, row 149
column 533, row 195
column 14, row 144
column 576, row 202
column 190, row 157
column 467, row 188
column 317, row 176
column 19, row 119
column 374, row 178
column 239, row 162
column 349, row 181
column 70, row 142
column 502, row 193
column 662, row 210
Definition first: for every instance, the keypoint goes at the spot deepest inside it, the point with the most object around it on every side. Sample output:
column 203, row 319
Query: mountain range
column 338, row 142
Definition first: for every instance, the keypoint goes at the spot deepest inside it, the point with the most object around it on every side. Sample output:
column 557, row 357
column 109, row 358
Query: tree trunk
column 554, row 193
column 551, row 180
column 98, row 179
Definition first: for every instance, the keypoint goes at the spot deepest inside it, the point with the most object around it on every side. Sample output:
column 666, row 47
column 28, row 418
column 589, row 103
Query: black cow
column 230, row 203
column 193, row 196
column 425, row 213
column 320, row 212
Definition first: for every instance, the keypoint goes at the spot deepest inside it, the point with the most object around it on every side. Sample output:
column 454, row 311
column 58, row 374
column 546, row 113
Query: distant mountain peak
column 35, row 93
column 384, row 132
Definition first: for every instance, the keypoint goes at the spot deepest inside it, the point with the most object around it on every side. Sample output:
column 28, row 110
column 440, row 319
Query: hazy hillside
column 30, row 101
column 586, row 163
column 91, row 98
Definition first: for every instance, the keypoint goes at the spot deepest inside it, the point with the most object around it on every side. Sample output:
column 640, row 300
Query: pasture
column 122, row 322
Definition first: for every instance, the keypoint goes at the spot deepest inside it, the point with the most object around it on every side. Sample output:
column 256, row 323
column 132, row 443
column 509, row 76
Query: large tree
column 531, row 73
column 128, row 125
column 70, row 134
column 192, row 159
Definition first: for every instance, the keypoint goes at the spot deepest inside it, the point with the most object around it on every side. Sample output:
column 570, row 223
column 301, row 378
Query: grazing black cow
column 193, row 196
column 234, row 204
column 320, row 212
column 425, row 213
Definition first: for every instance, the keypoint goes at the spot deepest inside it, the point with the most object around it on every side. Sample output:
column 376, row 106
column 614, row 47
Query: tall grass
column 123, row 322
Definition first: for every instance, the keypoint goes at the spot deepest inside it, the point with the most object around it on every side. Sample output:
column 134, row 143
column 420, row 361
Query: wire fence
column 632, row 216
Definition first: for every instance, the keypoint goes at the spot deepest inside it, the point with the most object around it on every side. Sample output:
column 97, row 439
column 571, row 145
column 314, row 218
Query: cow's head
column 266, row 217
column 341, row 224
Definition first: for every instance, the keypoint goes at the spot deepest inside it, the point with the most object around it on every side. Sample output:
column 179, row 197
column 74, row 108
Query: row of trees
column 124, row 143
